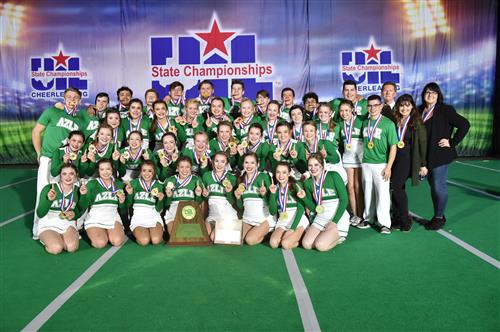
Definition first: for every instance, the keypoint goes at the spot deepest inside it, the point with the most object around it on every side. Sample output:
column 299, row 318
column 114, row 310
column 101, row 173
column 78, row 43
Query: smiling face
column 430, row 97
column 272, row 111
column 224, row 133
column 124, row 97
column 254, row 135
column 388, row 93
column 68, row 176
column 314, row 167
column 310, row 105
column 349, row 92
column 250, row 164
column 135, row 111
column 374, row 108
column 169, row 144
column 219, row 163
column 297, row 116
column 113, row 120
column 345, row 112
column 71, row 99
column 206, row 90
column 262, row 101
column 217, row 108
column 287, row 98
column 101, row 103
column 160, row 110
column 324, row 113
column 309, row 131
column 237, row 91
column 184, row 169
column 282, row 174
column 151, row 98
column 176, row 93
column 246, row 109
column 104, row 136
column 134, row 140
column 105, row 170
column 191, row 110
column 200, row 143
column 283, row 134
column 147, row 172
column 405, row 109
column 75, row 142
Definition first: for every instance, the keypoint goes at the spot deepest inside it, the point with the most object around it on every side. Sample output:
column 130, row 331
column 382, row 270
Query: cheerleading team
column 292, row 175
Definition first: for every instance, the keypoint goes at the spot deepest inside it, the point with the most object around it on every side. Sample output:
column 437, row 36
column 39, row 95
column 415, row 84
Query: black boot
column 406, row 224
column 436, row 223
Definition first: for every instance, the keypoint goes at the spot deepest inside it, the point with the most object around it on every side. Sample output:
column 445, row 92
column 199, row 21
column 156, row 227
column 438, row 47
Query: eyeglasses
column 373, row 106
column 431, row 93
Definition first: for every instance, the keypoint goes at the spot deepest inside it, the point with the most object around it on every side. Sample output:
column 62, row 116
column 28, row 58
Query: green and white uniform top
column 261, row 149
column 286, row 201
column 198, row 168
column 123, row 110
column 215, row 185
column 360, row 107
column 98, row 193
column 382, row 133
column 135, row 159
column 190, row 130
column 101, row 152
column 270, row 134
column 354, row 129
column 58, row 161
column 285, row 113
column 142, row 195
column 170, row 126
column 88, row 123
column 332, row 157
column 204, row 105
column 230, row 103
column 216, row 146
column 148, row 111
column 175, row 108
column 252, row 186
column 324, row 132
column 212, row 129
column 332, row 190
column 58, row 124
column 242, row 129
column 299, row 161
column 183, row 190
column 163, row 171
column 143, row 124
column 62, row 203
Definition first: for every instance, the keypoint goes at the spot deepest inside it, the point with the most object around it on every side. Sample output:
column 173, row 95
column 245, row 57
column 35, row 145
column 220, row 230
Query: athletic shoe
column 406, row 224
column 355, row 220
column 385, row 230
column 435, row 224
column 396, row 224
column 341, row 240
column 363, row 225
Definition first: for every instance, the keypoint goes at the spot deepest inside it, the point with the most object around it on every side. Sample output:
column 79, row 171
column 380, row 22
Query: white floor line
column 58, row 302
column 477, row 166
column 485, row 257
column 482, row 192
column 18, row 182
column 306, row 309
column 8, row 221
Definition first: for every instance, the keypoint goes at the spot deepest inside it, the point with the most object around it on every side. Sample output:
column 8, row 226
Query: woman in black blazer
column 440, row 120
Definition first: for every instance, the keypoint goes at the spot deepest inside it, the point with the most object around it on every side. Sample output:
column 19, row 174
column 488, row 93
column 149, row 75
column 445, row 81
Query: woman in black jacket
column 410, row 158
column 440, row 120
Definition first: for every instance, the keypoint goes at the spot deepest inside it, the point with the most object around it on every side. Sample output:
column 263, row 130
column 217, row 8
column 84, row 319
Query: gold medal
column 170, row 185
column 401, row 144
column 181, row 121
column 241, row 187
column 226, row 183
column 370, row 145
column 154, row 192
column 92, row 148
column 72, row 156
column 320, row 209
column 279, row 151
column 120, row 192
column 126, row 155
column 349, row 146
column 172, row 129
column 62, row 215
column 284, row 215
column 244, row 144
column 232, row 144
column 161, row 154
column 203, row 159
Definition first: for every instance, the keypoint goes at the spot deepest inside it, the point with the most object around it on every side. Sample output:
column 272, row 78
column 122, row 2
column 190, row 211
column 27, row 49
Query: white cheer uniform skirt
column 330, row 209
column 102, row 216
column 145, row 216
column 352, row 157
column 52, row 222
column 255, row 212
column 287, row 223
column 219, row 208
column 171, row 212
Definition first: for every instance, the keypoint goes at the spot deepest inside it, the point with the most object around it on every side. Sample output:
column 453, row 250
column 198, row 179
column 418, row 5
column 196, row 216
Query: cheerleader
column 58, row 210
column 162, row 124
column 166, row 157
column 199, row 154
column 297, row 116
column 350, row 134
column 132, row 156
column 283, row 201
column 206, row 90
column 105, row 196
column 242, row 123
column 326, row 196
column 135, row 121
column 225, row 142
column 145, row 196
column 326, row 123
column 175, row 99
column 261, row 100
column 183, row 187
column 233, row 104
column 288, row 150
column 190, row 122
column 271, row 120
column 101, row 148
column 219, row 185
column 70, row 153
column 113, row 120
column 251, row 196
column 215, row 116
column 150, row 96
column 253, row 143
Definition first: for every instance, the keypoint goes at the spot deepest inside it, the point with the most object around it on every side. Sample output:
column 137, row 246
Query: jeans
column 439, row 189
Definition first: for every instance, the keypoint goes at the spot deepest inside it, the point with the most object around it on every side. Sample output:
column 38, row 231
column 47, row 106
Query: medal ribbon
column 246, row 122
column 139, row 153
column 115, row 135
column 348, row 129
column 177, row 102
column 65, row 207
column 287, row 147
column 145, row 186
column 283, row 197
column 196, row 157
column 222, row 146
column 297, row 134
column 254, row 147
column 136, row 127
column 248, row 182
column 271, row 130
column 111, row 186
column 318, row 188
column 184, row 182
column 371, row 129
column 314, row 147
column 206, row 101
column 167, row 125
column 323, row 134
column 102, row 150
column 402, row 130
column 427, row 114
column 70, row 111
column 219, row 179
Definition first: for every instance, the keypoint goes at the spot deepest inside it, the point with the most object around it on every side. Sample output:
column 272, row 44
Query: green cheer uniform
column 185, row 193
column 163, row 171
column 189, row 131
column 58, row 161
column 285, row 114
column 294, row 209
column 144, row 127
column 88, row 124
column 360, row 107
column 216, row 146
column 299, row 162
column 106, row 152
column 45, row 206
column 141, row 197
column 97, row 195
column 132, row 166
column 173, row 126
column 197, row 168
column 242, row 130
column 212, row 129
column 271, row 127
column 255, row 207
column 384, row 137
column 174, row 109
column 332, row 157
column 262, row 150
column 58, row 124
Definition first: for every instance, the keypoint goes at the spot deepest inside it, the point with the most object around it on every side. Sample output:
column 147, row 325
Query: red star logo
column 61, row 59
column 215, row 38
column 372, row 52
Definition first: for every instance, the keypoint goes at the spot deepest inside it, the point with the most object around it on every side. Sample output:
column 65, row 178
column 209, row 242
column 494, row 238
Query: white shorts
column 287, row 223
column 352, row 157
column 322, row 220
column 52, row 222
column 102, row 216
column 337, row 168
column 255, row 212
column 219, row 208
column 145, row 216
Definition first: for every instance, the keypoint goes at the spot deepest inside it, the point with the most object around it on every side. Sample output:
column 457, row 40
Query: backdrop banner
column 98, row 46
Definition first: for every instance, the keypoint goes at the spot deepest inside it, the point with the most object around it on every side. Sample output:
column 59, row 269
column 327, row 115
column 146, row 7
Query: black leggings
column 400, row 173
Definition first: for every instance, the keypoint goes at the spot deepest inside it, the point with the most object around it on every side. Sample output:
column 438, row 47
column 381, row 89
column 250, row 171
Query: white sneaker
column 355, row 220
